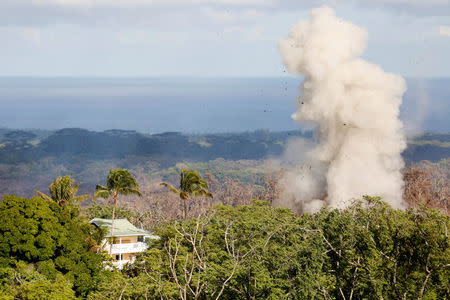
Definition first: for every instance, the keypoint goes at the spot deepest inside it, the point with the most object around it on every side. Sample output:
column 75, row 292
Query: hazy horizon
column 191, row 105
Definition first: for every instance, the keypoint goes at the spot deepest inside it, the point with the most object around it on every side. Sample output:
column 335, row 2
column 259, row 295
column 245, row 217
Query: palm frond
column 173, row 189
column 102, row 192
column 63, row 190
column 100, row 187
column 81, row 198
column 121, row 178
column 191, row 183
column 202, row 192
column 129, row 191
column 43, row 196
column 184, row 195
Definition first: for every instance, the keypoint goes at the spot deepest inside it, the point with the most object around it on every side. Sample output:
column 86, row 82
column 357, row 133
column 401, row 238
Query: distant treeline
column 170, row 147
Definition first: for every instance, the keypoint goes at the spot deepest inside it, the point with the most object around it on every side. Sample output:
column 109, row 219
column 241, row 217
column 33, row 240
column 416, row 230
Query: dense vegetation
column 44, row 248
column 260, row 252
column 168, row 147
column 30, row 159
column 171, row 147
column 256, row 251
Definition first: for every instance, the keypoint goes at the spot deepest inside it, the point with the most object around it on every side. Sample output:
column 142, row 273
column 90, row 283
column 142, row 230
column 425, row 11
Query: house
column 126, row 242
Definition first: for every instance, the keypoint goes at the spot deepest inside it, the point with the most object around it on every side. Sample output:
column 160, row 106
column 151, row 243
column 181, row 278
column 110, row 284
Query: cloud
column 222, row 16
column 413, row 7
column 31, row 34
column 115, row 36
column 132, row 38
column 129, row 12
column 23, row 33
column 267, row 3
column 128, row 3
column 228, row 16
column 444, row 30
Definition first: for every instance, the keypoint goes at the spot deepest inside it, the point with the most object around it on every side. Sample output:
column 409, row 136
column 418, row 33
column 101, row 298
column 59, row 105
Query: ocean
column 192, row 105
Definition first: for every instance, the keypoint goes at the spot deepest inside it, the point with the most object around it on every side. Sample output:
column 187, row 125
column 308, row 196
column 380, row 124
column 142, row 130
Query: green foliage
column 191, row 184
column 375, row 251
column 30, row 230
column 25, row 282
column 86, row 154
column 115, row 285
column 247, row 171
column 119, row 182
column 51, row 237
column 25, row 166
column 367, row 251
column 63, row 191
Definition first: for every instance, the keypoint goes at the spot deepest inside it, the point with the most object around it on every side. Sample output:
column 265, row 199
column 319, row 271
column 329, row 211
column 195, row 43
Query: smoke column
column 354, row 105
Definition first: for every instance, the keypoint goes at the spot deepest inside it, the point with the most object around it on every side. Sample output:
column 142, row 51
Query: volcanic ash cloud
column 355, row 106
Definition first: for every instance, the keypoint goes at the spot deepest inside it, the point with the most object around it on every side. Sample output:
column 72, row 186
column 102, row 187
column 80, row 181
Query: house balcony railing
column 128, row 248
column 120, row 263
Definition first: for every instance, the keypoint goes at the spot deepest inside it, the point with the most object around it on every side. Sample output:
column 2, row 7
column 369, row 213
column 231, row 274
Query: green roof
column 122, row 227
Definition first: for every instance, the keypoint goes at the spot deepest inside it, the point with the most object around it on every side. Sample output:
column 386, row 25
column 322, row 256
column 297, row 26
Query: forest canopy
column 256, row 251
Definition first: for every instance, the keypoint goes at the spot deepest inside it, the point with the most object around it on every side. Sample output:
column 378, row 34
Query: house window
column 140, row 238
column 118, row 256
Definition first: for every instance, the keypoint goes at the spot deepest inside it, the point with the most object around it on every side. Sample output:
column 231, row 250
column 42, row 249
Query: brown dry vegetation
column 428, row 183
column 158, row 204
column 425, row 182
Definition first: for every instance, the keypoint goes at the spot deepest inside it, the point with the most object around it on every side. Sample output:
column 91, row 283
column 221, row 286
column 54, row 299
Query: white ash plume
column 355, row 106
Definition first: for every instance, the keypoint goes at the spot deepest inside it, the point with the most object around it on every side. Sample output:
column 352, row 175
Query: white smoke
column 355, row 105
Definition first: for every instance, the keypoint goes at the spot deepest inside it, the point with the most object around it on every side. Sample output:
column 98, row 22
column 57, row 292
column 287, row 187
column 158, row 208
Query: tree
column 24, row 281
column 191, row 184
column 51, row 237
column 63, row 191
column 29, row 231
column 428, row 183
column 366, row 251
column 119, row 182
column 244, row 252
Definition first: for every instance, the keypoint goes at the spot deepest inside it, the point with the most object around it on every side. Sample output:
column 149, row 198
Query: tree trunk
column 113, row 219
column 185, row 208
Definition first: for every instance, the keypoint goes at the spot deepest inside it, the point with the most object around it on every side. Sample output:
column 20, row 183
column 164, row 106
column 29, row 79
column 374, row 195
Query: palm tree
column 191, row 184
column 119, row 182
column 63, row 191
column 95, row 238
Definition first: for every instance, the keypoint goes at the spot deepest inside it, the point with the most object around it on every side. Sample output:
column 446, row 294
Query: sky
column 206, row 38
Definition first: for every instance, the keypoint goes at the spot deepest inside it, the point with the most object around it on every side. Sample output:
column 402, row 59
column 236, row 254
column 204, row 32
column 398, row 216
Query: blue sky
column 205, row 38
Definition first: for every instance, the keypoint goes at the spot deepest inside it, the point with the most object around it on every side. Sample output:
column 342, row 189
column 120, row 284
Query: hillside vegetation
column 31, row 159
